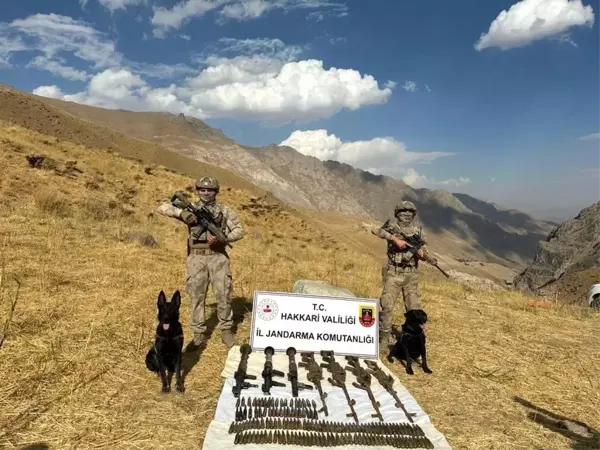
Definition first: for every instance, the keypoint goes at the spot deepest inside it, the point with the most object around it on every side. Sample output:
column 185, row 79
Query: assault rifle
column 363, row 379
column 293, row 373
column 203, row 216
column 387, row 382
column 268, row 372
column 338, row 379
column 240, row 375
column 415, row 243
column 314, row 375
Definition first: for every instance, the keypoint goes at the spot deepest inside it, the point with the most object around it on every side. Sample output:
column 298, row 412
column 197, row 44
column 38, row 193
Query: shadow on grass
column 36, row 446
column 581, row 435
column 242, row 308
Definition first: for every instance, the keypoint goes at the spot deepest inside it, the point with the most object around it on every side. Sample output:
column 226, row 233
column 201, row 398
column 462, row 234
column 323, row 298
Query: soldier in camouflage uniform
column 401, row 273
column 207, row 261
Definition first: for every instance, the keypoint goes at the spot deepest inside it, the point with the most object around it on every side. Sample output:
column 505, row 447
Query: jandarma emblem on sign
column 366, row 315
column 267, row 309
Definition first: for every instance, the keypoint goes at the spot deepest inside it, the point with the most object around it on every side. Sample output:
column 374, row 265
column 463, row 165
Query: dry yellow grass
column 73, row 361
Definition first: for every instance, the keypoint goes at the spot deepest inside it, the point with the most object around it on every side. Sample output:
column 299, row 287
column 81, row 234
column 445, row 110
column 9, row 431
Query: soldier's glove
column 188, row 217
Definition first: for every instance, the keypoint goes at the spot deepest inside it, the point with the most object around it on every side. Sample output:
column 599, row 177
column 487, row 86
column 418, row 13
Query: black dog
column 166, row 352
column 411, row 342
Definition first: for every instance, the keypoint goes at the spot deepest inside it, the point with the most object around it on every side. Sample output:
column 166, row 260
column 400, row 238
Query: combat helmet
column 207, row 182
column 405, row 206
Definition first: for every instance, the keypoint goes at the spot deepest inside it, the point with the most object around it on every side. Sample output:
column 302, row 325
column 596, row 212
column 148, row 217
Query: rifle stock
column 387, row 382
column 315, row 375
column 363, row 381
column 338, row 379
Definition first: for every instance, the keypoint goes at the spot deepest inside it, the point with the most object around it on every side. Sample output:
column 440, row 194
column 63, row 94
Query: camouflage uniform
column 401, row 273
column 208, row 263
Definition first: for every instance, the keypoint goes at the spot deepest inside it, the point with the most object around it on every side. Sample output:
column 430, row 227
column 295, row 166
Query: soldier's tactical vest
column 198, row 235
column 395, row 254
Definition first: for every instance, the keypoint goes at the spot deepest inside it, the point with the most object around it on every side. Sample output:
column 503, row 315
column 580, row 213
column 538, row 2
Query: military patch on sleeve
column 366, row 315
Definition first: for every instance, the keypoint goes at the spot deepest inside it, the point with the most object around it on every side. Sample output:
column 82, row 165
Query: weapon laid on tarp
column 387, row 382
column 268, row 372
column 314, row 375
column 293, row 373
column 203, row 216
column 338, row 379
column 363, row 381
column 415, row 243
column 240, row 374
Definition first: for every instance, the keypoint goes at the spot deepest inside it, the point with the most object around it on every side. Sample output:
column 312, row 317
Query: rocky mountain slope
column 569, row 259
column 460, row 226
column 86, row 312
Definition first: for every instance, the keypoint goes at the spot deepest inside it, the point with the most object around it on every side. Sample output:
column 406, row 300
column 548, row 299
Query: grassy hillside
column 504, row 241
column 73, row 360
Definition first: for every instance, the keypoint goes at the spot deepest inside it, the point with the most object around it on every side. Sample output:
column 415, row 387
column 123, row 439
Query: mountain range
column 461, row 227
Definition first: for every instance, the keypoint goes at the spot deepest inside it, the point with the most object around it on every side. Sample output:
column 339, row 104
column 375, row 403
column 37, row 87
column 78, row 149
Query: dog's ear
column 176, row 299
column 162, row 298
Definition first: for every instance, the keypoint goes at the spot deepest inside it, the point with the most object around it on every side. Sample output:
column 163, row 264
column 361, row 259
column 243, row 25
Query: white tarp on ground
column 218, row 437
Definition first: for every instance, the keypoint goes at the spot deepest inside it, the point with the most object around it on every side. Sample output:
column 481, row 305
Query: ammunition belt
column 402, row 265
column 206, row 250
column 322, row 426
column 329, row 439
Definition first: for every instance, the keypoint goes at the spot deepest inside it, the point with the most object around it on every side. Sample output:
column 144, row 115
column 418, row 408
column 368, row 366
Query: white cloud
column 48, row 91
column 56, row 36
column 113, row 5
column 337, row 40
column 590, row 137
column 299, row 90
column 418, row 180
column 165, row 19
column 410, row 86
column 58, row 67
column 53, row 34
column 245, row 10
column 272, row 48
column 415, row 179
column 160, row 70
column 383, row 155
column 455, row 182
column 427, row 88
column 531, row 20
column 9, row 45
column 263, row 82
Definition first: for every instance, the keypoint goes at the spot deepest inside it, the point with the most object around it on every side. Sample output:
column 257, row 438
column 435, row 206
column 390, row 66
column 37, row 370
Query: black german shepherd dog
column 410, row 344
column 165, row 354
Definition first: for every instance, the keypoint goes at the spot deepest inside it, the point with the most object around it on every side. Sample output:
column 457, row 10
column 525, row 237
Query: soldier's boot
column 227, row 338
column 196, row 343
column 386, row 340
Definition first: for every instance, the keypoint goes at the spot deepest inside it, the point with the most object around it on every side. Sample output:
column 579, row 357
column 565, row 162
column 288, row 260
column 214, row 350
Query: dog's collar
column 169, row 337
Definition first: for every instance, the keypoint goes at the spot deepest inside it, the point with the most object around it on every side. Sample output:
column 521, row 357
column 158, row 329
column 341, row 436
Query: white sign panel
column 311, row 323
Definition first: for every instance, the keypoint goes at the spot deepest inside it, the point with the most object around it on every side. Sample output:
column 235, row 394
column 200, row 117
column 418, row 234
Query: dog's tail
column 152, row 360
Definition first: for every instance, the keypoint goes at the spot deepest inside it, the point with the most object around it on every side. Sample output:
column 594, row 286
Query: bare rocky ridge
column 459, row 226
column 570, row 249
column 510, row 236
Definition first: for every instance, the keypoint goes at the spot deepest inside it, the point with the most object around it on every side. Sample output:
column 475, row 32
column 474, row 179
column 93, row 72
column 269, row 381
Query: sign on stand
column 311, row 323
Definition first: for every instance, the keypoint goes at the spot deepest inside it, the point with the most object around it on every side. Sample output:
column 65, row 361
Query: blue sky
column 402, row 88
